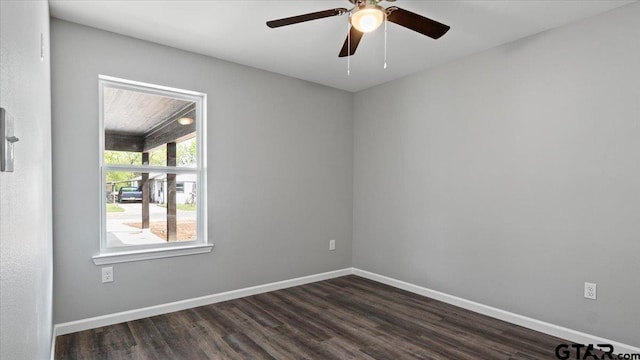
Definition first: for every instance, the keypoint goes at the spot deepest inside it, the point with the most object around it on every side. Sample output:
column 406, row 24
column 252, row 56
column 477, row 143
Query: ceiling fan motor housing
column 367, row 16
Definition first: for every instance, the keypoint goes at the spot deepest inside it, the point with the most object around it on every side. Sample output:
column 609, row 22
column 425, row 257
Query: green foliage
column 122, row 157
column 185, row 207
column 186, row 152
column 114, row 208
column 158, row 157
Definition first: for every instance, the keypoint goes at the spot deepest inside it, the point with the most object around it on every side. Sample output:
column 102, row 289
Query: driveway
column 133, row 212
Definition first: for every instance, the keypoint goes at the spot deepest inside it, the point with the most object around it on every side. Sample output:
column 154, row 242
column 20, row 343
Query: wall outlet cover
column 590, row 290
column 107, row 274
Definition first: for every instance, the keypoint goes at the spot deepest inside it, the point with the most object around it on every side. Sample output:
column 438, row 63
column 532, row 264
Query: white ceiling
column 236, row 31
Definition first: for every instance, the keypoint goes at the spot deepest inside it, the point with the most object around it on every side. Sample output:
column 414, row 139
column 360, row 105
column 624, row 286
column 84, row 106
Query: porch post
column 172, row 225
column 145, row 193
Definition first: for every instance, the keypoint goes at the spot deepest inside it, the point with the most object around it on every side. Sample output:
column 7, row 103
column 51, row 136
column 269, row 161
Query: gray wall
column 280, row 155
column 25, row 195
column 512, row 177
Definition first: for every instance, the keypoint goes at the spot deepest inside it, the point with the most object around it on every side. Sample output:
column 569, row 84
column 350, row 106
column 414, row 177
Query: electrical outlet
column 590, row 291
column 332, row 244
column 107, row 274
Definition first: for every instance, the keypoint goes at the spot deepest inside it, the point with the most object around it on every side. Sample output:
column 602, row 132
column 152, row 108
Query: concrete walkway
column 119, row 234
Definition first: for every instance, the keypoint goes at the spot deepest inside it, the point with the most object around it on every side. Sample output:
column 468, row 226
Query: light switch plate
column 7, row 139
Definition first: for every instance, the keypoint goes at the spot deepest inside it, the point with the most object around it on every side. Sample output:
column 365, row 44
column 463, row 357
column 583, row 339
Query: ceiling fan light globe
column 368, row 18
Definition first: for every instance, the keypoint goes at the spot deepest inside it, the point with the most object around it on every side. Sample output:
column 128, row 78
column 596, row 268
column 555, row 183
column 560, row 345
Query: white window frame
column 111, row 255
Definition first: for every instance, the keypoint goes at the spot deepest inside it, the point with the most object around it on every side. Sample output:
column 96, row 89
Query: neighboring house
column 186, row 189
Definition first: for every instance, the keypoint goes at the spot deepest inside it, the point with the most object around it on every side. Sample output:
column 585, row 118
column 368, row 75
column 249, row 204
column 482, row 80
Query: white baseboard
column 533, row 324
column 111, row 319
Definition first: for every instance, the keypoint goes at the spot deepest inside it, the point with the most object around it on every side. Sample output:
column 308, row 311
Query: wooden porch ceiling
column 140, row 122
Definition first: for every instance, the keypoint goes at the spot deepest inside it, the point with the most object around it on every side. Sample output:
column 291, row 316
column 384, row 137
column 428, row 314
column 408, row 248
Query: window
column 152, row 158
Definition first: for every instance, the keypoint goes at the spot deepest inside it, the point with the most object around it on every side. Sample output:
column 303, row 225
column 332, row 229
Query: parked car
column 129, row 194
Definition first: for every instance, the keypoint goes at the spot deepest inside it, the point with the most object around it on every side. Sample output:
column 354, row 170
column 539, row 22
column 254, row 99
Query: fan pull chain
column 349, row 46
column 385, row 41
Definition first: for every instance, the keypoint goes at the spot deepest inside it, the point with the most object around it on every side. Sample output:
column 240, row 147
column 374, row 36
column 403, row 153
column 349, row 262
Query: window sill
column 149, row 254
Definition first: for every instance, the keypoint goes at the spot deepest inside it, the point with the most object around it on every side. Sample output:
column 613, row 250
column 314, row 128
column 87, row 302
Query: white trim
column 527, row 322
column 110, row 255
column 105, row 320
column 533, row 324
column 148, row 254
column 126, row 84
column 150, row 169
column 54, row 335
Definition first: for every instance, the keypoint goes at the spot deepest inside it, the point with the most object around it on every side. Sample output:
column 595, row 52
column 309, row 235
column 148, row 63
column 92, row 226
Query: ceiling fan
column 367, row 16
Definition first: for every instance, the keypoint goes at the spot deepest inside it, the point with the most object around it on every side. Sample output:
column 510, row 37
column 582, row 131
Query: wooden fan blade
column 415, row 22
column 356, row 36
column 306, row 17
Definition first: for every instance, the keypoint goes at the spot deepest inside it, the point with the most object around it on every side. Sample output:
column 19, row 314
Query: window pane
column 145, row 127
column 142, row 127
column 167, row 216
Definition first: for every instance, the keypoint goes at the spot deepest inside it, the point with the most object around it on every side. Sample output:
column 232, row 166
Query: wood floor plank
column 149, row 340
column 277, row 346
column 212, row 344
column 343, row 318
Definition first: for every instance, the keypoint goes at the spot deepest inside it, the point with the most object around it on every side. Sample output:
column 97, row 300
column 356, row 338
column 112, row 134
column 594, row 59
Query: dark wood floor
column 343, row 318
